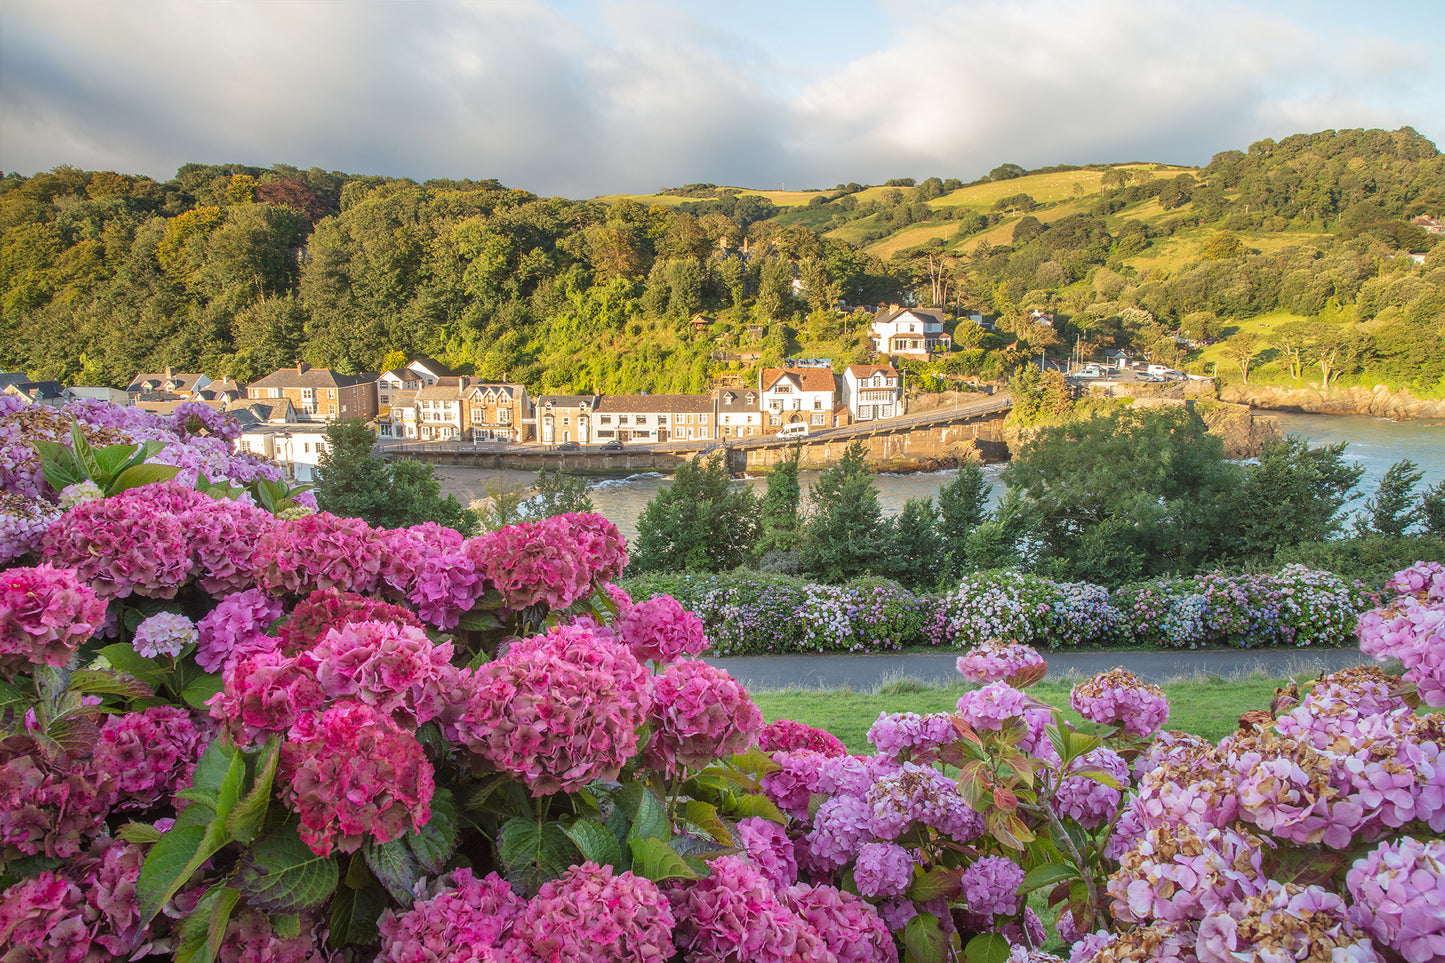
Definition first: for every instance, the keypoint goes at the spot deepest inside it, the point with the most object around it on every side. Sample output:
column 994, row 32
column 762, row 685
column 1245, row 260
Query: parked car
column 1146, row 376
column 613, row 445
column 1090, row 371
column 569, row 446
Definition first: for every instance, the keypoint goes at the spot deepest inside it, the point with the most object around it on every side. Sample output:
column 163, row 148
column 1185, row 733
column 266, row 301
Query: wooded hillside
column 238, row 270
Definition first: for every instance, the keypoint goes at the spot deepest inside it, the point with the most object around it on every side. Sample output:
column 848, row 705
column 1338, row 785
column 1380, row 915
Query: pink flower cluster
column 266, row 692
column 785, row 735
column 990, row 888
column 1397, row 895
column 393, row 668
column 1411, row 628
column 883, row 869
column 1119, row 697
column 1176, row 875
column 590, row 915
column 465, row 920
column 121, row 546
column 23, row 521
column 236, row 627
column 1310, row 919
column 330, row 608
column 699, row 713
column 195, row 417
column 768, row 845
column 250, row 938
column 902, row 735
column 736, row 916
column 149, row 754
column 222, row 535
column 45, row 614
column 83, row 912
column 404, row 549
column 534, row 562
column 318, row 551
column 558, row 710
column 851, row 927
column 49, row 804
column 661, row 630
column 350, row 773
column 999, row 661
column 1086, row 800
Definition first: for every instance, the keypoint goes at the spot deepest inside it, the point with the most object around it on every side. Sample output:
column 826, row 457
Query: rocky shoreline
column 1379, row 402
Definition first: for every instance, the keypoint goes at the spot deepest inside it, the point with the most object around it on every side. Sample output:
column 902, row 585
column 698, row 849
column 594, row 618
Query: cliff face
column 1380, row 402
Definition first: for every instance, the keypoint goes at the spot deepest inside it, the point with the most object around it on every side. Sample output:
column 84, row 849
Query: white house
column 564, row 418
column 295, row 448
column 648, row 418
column 872, row 392
column 909, row 332
column 440, row 409
column 797, row 394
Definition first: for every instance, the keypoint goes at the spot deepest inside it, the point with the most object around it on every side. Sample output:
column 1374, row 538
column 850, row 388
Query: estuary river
column 1374, row 443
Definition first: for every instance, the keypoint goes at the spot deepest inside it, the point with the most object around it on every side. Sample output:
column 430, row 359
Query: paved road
column 769, row 672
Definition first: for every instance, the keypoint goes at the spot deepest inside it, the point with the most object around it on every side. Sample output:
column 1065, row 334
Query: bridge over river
column 933, row 438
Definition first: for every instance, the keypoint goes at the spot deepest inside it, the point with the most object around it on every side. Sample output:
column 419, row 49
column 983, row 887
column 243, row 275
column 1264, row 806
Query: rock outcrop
column 1380, row 402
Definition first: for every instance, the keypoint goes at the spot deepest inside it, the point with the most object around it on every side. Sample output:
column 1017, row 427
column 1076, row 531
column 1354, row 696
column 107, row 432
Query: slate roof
column 646, row 404
column 311, row 378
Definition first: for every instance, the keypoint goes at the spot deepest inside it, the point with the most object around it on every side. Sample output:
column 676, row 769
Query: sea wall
column 1380, row 401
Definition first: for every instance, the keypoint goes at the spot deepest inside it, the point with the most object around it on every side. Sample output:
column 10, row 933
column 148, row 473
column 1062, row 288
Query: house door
column 662, row 434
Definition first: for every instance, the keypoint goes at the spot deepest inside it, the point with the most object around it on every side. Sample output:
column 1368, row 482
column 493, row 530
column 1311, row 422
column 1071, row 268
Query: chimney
column 302, row 367
column 170, row 373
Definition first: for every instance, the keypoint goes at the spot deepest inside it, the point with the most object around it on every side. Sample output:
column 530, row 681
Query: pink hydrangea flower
column 841, row 826
column 991, row 888
column 882, row 869
column 1119, row 697
column 250, row 939
column 49, row 804
column 998, row 661
column 770, row 848
column 395, row 669
column 1423, row 578
column 791, row 787
column 1410, row 628
column 1084, row 799
column 1176, row 875
column 235, row 627
column 327, row 609
column 600, row 546
column 122, row 546
column 1288, row 915
column 461, row 920
column 785, row 735
column 222, row 534
column 557, row 711
column 531, row 563
column 1397, row 896
column 852, row 929
column 45, row 614
column 661, row 630
column 149, row 753
column 735, row 916
column 906, row 734
column 266, row 692
column 699, row 713
column 84, row 912
column 165, row 633
column 351, row 773
column 318, row 551
column 899, row 798
column 590, row 915
column 447, row 585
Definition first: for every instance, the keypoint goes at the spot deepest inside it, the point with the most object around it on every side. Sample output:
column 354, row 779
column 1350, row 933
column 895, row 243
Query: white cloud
column 629, row 96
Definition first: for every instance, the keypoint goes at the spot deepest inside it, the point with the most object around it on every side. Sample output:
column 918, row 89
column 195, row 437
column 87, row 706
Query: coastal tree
column 1294, row 494
column 555, row 493
column 961, row 509
column 1432, row 509
column 700, row 522
column 846, row 535
column 1393, row 510
column 778, row 510
column 914, row 548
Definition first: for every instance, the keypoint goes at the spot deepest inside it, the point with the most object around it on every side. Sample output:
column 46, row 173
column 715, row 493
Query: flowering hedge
column 330, row 742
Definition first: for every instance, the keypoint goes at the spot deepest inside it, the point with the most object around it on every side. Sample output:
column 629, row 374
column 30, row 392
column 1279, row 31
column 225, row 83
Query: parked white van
column 797, row 429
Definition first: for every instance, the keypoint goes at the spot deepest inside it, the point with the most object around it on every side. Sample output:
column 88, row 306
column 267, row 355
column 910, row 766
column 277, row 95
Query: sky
column 579, row 98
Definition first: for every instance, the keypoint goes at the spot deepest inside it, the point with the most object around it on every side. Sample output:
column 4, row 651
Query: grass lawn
column 1209, row 708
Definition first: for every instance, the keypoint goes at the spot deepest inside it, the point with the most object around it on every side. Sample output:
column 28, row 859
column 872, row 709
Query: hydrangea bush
column 327, row 742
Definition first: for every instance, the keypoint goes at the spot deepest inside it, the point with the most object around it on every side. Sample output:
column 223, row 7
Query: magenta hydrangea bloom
column 45, row 614
column 852, row 929
column 23, row 521
column 785, row 735
column 149, row 753
column 235, row 627
column 462, row 920
column 165, row 633
column 1119, row 697
column 735, row 916
column 327, row 609
column 318, row 551
column 991, row 888
column 1086, row 800
column 395, row 669
column 49, row 805
column 1426, row 579
column 590, row 915
column 250, row 939
column 1397, row 896
column 84, row 912
column 446, row 586
column 600, row 546
column 998, row 661
column 791, row 786
column 530, row 563
column 661, row 630
column 557, row 711
column 1306, row 917
column 351, row 773
column 989, row 707
column 699, row 713
column 1410, row 628
column 840, row 828
column 222, row 534
column 266, row 692
column 919, row 794
column 902, row 735
column 122, row 546
column 882, row 869
column 195, row 418
column 770, row 848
